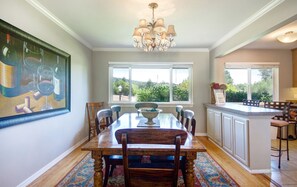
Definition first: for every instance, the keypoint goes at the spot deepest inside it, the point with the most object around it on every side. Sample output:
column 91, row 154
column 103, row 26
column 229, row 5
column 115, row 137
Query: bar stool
column 280, row 124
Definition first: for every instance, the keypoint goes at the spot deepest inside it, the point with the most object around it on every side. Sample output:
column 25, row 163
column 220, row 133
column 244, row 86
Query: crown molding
column 56, row 20
column 139, row 50
column 271, row 5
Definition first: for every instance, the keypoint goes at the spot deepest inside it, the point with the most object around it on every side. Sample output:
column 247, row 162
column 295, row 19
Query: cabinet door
column 210, row 123
column 218, row 128
column 240, row 135
column 227, row 133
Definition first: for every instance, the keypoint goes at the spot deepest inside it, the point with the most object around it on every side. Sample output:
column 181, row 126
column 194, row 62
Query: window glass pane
column 180, row 84
column 151, row 85
column 120, row 84
column 262, row 84
column 237, row 84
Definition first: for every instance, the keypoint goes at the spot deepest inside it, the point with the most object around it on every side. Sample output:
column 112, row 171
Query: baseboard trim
column 51, row 164
column 200, row 134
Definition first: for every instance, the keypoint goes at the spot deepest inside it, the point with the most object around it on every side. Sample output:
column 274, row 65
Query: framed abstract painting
column 34, row 78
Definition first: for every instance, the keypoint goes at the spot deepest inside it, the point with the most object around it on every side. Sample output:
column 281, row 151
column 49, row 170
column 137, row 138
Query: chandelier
column 148, row 36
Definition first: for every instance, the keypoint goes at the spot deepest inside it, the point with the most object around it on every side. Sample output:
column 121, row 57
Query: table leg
column 98, row 166
column 190, row 180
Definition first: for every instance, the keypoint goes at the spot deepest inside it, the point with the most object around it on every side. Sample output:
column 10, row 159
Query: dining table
column 106, row 144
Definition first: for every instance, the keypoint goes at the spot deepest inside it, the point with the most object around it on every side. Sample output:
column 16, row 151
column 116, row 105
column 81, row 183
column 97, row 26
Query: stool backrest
column 251, row 102
column 279, row 105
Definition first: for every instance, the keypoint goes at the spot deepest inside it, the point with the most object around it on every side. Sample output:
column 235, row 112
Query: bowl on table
column 150, row 114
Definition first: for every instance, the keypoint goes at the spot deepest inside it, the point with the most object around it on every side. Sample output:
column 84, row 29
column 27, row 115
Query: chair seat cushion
column 120, row 157
column 151, row 165
column 163, row 158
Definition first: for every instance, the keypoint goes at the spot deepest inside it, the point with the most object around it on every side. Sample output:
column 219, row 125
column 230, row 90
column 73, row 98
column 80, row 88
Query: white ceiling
column 102, row 24
column 269, row 41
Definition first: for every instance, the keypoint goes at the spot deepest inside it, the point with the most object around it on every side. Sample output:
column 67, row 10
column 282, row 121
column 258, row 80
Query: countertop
column 244, row 110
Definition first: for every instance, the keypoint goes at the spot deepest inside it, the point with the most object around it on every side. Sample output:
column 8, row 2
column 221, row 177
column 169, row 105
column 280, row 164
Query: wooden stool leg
column 280, row 147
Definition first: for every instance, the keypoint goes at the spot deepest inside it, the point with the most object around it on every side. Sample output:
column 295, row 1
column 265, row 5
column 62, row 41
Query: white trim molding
column 189, row 50
column 51, row 164
column 271, row 5
column 57, row 21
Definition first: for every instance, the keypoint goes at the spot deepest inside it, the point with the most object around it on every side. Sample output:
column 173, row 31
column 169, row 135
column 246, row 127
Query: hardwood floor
column 240, row 175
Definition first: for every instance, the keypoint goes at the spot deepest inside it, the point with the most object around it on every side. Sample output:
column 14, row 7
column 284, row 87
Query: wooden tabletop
column 106, row 142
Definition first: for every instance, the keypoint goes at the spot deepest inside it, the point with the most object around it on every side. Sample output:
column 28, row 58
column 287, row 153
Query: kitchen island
column 243, row 132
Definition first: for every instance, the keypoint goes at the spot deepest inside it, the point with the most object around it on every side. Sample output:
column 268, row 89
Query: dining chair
column 151, row 174
column 145, row 105
column 111, row 161
column 116, row 109
column 190, row 125
column 92, row 109
column 178, row 109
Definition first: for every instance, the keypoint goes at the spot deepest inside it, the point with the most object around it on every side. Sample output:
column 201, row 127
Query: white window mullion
column 170, row 86
column 249, row 89
column 275, row 78
column 130, row 84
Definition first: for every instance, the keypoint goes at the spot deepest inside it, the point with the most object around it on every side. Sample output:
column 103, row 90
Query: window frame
column 257, row 65
column 151, row 65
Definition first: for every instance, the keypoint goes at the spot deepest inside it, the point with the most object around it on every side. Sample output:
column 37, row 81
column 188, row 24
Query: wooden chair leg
column 183, row 169
column 111, row 170
column 106, row 175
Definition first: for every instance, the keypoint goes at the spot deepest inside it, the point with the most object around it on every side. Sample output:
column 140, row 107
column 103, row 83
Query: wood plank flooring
column 241, row 176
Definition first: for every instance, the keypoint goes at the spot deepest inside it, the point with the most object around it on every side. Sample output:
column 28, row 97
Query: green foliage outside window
column 260, row 89
column 152, row 92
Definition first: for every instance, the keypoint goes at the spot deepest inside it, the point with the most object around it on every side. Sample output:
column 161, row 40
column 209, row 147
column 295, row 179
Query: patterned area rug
column 207, row 171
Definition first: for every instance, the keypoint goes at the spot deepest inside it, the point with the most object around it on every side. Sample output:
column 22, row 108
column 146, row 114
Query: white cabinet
column 218, row 127
column 230, row 132
column 240, row 135
column 210, row 123
column 244, row 133
column 227, row 132
column 214, row 123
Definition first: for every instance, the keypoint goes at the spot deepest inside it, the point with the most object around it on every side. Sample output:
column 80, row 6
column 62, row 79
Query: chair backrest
column 141, row 175
column 116, row 109
column 251, row 102
column 151, row 135
column 178, row 110
column 190, row 123
column 92, row 109
column 103, row 114
column 279, row 105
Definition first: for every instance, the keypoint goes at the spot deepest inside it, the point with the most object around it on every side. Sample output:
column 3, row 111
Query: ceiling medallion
column 153, row 35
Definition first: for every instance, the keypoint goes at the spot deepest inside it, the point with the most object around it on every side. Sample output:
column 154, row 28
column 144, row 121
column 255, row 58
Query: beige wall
column 284, row 57
column 27, row 148
column 200, row 77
